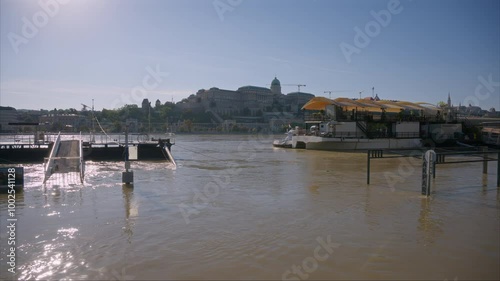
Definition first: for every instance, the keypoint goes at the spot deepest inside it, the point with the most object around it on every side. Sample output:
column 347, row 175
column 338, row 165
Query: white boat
column 286, row 142
column 336, row 143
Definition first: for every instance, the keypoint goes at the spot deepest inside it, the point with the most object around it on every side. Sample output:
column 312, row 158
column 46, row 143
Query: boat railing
column 347, row 135
column 99, row 139
column 171, row 136
column 373, row 135
column 18, row 138
column 407, row 135
column 319, row 118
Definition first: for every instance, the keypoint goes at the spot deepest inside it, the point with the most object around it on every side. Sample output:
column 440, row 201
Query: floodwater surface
column 237, row 208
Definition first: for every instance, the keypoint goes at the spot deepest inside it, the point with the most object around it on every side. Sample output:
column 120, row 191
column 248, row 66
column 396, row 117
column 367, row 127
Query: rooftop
column 254, row 88
column 320, row 103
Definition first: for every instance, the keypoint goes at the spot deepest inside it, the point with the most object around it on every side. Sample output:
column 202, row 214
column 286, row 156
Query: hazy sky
column 59, row 55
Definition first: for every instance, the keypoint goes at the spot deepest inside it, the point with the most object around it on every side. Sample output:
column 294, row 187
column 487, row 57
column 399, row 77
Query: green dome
column 275, row 82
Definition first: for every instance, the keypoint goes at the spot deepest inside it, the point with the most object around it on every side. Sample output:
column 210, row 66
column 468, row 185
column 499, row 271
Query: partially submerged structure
column 353, row 124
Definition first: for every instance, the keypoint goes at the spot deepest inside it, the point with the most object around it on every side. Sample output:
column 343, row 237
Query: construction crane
column 86, row 106
column 373, row 92
column 360, row 94
column 330, row 93
column 296, row 85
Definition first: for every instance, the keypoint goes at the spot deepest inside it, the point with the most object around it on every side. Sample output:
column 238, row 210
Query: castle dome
column 275, row 82
column 276, row 86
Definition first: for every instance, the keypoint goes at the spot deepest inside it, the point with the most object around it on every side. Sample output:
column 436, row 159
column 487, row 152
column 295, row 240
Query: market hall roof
column 320, row 103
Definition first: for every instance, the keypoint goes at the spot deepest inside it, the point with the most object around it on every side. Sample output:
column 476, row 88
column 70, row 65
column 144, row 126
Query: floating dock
column 155, row 150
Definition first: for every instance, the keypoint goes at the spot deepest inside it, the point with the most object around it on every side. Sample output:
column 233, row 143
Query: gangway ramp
column 66, row 156
column 170, row 157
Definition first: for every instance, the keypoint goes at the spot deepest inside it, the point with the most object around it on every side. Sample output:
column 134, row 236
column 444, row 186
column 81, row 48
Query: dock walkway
column 66, row 156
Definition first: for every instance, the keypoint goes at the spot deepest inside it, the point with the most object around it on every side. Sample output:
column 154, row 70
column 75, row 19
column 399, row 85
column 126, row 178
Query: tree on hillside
column 117, row 127
column 442, row 104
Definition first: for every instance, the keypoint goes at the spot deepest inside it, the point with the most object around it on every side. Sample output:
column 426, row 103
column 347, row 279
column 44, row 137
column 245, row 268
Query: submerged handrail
column 170, row 156
column 50, row 162
column 82, row 163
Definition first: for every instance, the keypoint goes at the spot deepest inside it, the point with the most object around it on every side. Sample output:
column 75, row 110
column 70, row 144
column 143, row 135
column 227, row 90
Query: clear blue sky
column 101, row 50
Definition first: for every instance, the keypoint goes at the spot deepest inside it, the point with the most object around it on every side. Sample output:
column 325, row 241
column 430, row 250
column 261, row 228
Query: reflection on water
column 131, row 211
column 429, row 226
column 271, row 206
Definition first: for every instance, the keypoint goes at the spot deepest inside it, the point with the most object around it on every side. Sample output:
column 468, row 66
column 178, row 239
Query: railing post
column 424, row 176
column 368, row 167
column 434, row 168
column 485, row 160
column 498, row 170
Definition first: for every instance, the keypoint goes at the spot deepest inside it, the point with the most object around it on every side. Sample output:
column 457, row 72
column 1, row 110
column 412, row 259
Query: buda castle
column 249, row 101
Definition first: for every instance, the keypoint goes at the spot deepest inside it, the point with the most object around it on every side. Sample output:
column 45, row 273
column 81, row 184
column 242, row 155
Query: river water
column 237, row 208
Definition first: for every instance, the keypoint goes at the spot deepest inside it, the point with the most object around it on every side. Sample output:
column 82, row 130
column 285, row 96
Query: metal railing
column 318, row 118
column 82, row 162
column 50, row 162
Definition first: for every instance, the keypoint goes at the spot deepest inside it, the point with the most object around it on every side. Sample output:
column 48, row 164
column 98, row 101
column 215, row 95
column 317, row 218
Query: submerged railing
column 48, row 166
column 431, row 158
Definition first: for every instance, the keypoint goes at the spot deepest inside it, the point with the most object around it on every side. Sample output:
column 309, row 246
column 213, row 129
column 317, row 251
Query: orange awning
column 320, row 103
column 317, row 103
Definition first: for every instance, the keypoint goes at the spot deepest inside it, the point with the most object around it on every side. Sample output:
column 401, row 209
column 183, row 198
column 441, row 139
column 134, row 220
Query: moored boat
column 363, row 124
column 286, row 142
